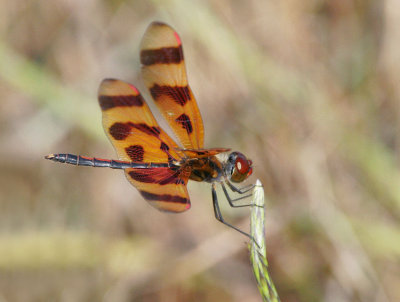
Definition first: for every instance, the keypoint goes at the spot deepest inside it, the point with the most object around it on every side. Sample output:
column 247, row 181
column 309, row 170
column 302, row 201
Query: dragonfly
column 153, row 162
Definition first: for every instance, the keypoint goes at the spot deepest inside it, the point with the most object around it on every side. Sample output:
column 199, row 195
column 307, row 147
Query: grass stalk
column 258, row 251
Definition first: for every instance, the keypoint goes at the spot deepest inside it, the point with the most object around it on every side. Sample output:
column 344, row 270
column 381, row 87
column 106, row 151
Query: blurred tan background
column 309, row 90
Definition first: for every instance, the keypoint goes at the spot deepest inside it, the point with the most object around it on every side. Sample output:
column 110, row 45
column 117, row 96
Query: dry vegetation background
column 309, row 90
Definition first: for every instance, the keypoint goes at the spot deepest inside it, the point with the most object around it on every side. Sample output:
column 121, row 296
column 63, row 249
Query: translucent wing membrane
column 137, row 137
column 131, row 127
column 164, row 73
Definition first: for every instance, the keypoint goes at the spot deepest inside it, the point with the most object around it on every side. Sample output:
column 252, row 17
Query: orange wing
column 164, row 73
column 201, row 153
column 137, row 137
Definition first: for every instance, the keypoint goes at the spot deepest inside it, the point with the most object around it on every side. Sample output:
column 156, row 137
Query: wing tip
column 111, row 82
column 157, row 23
column 107, row 81
column 162, row 24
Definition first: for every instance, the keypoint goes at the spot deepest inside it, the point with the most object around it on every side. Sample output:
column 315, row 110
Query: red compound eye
column 242, row 165
column 242, row 168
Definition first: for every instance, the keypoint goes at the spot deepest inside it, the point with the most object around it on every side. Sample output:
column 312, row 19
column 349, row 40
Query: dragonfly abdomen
column 79, row 160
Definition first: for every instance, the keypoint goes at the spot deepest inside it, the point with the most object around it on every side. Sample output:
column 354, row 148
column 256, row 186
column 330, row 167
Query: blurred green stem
column 258, row 251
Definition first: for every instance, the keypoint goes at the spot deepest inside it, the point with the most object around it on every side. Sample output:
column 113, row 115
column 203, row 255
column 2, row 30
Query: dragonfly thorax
column 208, row 169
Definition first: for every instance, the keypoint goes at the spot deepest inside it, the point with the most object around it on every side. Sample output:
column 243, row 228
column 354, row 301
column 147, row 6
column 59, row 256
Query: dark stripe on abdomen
column 165, row 55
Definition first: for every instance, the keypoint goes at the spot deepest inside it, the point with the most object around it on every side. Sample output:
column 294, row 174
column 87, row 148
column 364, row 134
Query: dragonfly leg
column 218, row 214
column 232, row 201
column 240, row 190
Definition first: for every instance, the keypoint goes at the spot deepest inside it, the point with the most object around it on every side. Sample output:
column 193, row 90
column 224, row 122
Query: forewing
column 131, row 127
column 137, row 137
column 164, row 73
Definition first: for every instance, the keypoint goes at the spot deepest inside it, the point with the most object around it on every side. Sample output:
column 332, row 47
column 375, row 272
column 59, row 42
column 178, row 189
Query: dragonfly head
column 238, row 167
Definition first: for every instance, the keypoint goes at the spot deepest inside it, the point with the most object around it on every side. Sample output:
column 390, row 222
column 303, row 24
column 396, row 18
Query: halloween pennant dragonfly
column 152, row 161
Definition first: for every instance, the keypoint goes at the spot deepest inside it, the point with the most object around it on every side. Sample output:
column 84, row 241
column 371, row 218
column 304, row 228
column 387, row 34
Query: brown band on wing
column 142, row 177
column 147, row 176
column 185, row 122
column 179, row 94
column 111, row 101
column 164, row 55
column 164, row 197
column 120, row 131
column 155, row 131
column 164, row 147
column 135, row 153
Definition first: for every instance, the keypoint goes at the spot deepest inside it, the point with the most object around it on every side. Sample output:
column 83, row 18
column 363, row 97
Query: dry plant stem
column 258, row 252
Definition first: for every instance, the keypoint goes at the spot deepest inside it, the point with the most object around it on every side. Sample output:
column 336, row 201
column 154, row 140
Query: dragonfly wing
column 164, row 73
column 137, row 137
